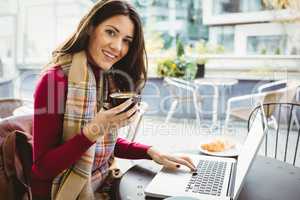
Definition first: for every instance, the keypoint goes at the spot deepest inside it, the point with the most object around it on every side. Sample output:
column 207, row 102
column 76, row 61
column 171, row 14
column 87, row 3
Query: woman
column 74, row 137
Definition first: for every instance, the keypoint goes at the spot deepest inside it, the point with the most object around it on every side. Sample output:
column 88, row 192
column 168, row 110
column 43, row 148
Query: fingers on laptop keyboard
column 170, row 164
column 184, row 161
column 189, row 160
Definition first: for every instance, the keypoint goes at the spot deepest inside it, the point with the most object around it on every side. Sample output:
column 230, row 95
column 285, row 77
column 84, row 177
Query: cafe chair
column 297, row 100
column 182, row 92
column 281, row 143
column 240, row 107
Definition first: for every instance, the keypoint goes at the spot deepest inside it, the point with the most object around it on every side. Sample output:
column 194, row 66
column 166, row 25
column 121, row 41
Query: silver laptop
column 216, row 177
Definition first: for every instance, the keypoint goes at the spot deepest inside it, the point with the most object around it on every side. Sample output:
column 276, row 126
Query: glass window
column 237, row 6
column 223, row 35
column 271, row 44
column 7, row 42
column 171, row 18
column 8, row 6
column 67, row 19
column 39, row 38
column 195, row 28
column 267, row 38
column 159, row 3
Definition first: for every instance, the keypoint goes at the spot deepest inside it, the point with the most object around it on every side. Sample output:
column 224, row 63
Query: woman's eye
column 110, row 32
column 127, row 41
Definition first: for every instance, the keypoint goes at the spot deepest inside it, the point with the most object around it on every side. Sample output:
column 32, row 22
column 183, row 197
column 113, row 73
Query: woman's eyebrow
column 117, row 30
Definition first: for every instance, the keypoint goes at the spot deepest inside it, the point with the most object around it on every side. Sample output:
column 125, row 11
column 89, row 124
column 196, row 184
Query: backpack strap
column 8, row 153
column 17, row 161
column 24, row 153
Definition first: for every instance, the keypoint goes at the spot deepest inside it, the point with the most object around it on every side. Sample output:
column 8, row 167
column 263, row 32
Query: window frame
column 242, row 32
column 248, row 17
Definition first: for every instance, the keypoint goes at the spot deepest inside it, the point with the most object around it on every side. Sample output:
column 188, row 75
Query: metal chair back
column 182, row 91
column 281, row 141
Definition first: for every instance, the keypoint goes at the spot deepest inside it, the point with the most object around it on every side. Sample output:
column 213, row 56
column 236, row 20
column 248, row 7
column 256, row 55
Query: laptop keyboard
column 208, row 179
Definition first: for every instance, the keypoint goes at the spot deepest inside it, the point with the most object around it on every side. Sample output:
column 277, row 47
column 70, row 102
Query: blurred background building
column 259, row 39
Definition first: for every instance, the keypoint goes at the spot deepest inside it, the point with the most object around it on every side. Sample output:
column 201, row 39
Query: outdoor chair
column 240, row 107
column 182, row 92
column 281, row 143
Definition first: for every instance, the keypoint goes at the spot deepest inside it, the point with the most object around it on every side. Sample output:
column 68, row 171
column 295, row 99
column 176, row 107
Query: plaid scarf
column 84, row 99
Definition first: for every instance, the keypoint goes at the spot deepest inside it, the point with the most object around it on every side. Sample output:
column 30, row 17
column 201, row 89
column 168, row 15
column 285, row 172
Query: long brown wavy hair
column 134, row 63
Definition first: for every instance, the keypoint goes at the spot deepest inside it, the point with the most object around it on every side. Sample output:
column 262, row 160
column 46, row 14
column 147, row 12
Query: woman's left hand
column 170, row 161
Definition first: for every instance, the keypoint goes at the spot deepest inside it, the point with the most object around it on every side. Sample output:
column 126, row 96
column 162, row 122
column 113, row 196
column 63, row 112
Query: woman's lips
column 109, row 55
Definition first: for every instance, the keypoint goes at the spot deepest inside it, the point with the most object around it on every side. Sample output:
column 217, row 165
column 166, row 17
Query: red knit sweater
column 49, row 156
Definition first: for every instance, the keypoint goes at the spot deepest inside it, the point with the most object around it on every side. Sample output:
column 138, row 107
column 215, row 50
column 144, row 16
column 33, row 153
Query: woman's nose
column 116, row 45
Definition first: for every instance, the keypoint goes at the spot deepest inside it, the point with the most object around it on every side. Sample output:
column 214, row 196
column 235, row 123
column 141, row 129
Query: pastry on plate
column 218, row 145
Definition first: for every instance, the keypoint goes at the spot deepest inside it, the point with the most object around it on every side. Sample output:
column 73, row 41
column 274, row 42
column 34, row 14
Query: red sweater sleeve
column 131, row 150
column 49, row 155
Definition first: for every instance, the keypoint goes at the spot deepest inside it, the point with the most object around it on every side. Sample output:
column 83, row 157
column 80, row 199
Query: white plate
column 234, row 151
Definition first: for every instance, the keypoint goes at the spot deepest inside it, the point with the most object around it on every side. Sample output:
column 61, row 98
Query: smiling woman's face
column 110, row 41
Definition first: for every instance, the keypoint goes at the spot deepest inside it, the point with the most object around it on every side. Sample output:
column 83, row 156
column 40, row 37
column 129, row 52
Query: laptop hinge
column 230, row 189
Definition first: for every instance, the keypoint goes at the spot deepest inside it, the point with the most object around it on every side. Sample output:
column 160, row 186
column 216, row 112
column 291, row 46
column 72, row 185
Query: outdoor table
column 268, row 179
column 216, row 83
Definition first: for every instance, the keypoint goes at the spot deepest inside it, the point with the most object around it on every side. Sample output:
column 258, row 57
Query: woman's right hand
column 108, row 120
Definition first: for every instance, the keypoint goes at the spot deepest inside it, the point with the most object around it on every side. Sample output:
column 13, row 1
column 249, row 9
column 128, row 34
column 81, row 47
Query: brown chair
column 8, row 105
column 12, row 123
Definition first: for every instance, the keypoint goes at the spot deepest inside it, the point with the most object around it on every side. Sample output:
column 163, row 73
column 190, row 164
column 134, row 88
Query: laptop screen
column 249, row 150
